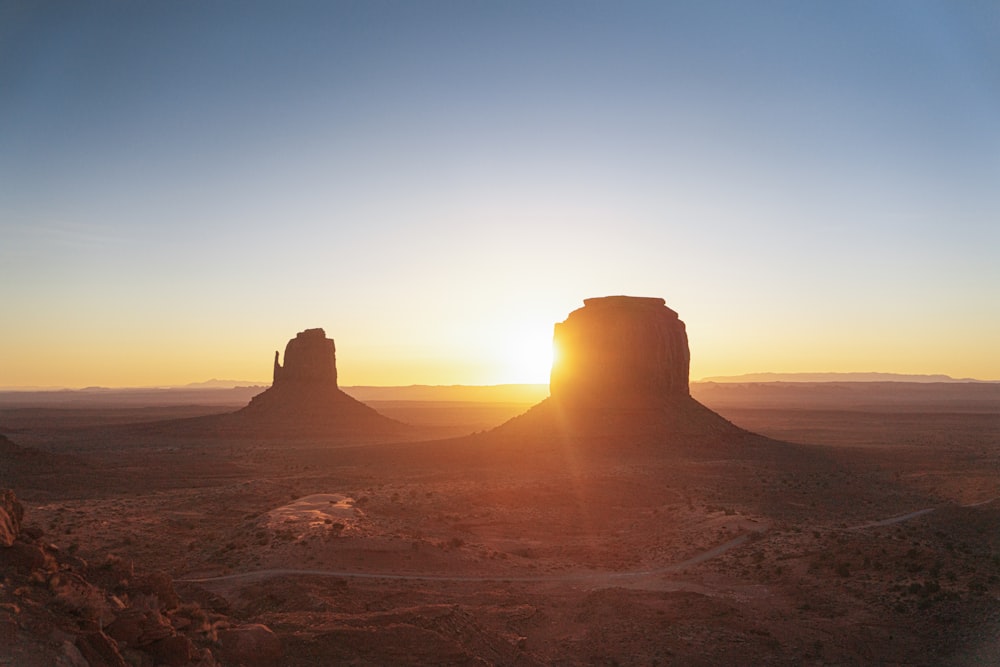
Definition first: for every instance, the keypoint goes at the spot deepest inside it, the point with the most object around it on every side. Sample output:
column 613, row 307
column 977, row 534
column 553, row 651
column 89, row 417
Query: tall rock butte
column 310, row 359
column 621, row 367
column 305, row 399
column 620, row 350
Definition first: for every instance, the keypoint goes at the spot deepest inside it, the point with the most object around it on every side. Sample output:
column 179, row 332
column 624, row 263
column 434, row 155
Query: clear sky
column 813, row 186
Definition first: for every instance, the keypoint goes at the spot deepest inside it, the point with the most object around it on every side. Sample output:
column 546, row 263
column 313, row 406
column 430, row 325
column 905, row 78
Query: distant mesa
column 305, row 399
column 621, row 366
column 310, row 357
column 840, row 377
column 620, row 350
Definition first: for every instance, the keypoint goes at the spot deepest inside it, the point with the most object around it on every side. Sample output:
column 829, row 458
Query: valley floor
column 876, row 539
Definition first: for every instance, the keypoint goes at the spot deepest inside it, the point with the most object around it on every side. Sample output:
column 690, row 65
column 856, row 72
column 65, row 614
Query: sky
column 812, row 186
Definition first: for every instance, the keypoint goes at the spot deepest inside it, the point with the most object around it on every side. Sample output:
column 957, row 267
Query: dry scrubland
column 480, row 550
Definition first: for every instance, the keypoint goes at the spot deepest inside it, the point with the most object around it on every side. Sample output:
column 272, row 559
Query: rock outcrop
column 56, row 609
column 305, row 399
column 11, row 513
column 621, row 367
column 310, row 358
column 620, row 350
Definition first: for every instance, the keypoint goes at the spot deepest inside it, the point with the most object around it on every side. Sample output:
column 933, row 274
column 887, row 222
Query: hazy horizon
column 766, row 376
column 185, row 187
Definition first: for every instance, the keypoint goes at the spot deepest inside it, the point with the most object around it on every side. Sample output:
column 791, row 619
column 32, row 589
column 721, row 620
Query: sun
column 528, row 358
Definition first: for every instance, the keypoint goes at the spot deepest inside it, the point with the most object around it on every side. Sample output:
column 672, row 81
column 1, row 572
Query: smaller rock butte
column 309, row 357
column 305, row 399
column 620, row 350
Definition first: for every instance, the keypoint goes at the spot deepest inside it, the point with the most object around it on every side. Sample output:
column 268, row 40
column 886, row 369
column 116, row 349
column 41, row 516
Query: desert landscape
column 546, row 332
column 629, row 517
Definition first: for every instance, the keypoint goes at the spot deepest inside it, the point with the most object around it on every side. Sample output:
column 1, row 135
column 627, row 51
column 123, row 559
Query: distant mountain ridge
column 224, row 384
column 238, row 396
column 837, row 377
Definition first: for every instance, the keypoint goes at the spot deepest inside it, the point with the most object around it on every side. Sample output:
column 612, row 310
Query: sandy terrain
column 876, row 539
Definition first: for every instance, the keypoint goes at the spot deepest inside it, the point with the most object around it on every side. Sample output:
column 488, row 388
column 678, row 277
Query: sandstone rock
column 75, row 593
column 310, row 357
column 11, row 515
column 159, row 584
column 127, row 627
column 100, row 650
column 25, row 557
column 139, row 627
column 252, row 645
column 620, row 371
column 305, row 399
column 175, row 651
column 620, row 350
column 204, row 658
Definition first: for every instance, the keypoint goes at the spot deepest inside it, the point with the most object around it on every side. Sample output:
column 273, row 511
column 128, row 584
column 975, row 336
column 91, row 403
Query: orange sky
column 473, row 351
column 184, row 186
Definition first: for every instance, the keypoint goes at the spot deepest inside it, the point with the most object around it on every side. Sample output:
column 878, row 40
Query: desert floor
column 870, row 534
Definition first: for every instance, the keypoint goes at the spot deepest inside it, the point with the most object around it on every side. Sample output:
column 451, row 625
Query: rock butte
column 304, row 397
column 621, row 367
column 310, row 357
column 620, row 349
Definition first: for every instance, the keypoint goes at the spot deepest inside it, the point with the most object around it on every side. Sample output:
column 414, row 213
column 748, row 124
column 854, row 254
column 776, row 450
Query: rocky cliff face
column 620, row 350
column 310, row 357
column 620, row 371
column 305, row 399
column 56, row 609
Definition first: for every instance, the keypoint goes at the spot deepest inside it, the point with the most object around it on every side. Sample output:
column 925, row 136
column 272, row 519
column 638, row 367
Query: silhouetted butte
column 621, row 367
column 305, row 399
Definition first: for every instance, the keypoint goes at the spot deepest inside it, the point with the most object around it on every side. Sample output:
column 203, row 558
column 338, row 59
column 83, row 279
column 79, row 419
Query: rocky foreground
column 57, row 609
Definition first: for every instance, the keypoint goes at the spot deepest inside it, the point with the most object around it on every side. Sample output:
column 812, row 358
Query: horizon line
column 214, row 384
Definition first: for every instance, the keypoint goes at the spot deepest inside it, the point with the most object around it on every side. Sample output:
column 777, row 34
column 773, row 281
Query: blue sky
column 183, row 186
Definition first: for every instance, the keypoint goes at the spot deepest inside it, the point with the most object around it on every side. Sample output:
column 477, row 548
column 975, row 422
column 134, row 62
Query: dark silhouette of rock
column 305, row 399
column 621, row 368
column 620, row 349
column 310, row 357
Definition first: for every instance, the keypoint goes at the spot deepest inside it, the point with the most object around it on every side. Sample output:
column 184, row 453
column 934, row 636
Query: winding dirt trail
column 913, row 515
column 894, row 519
column 599, row 577
column 571, row 577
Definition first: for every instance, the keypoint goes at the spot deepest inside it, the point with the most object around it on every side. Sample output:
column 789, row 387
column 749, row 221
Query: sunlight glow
column 529, row 354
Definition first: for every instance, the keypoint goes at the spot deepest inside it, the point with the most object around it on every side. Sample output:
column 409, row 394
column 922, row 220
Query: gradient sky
column 813, row 186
